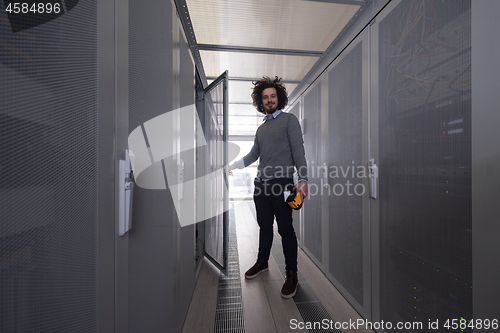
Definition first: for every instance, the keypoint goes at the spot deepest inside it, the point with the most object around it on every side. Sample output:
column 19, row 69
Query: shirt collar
column 275, row 114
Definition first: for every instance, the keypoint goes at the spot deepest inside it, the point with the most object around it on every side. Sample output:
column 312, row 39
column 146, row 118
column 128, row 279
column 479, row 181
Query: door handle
column 180, row 178
column 126, row 193
column 324, row 167
column 373, row 174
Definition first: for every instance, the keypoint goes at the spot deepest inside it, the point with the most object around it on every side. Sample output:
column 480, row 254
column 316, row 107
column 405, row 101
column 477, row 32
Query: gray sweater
column 279, row 144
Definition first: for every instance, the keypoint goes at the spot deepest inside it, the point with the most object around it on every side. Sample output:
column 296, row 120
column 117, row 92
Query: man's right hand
column 231, row 168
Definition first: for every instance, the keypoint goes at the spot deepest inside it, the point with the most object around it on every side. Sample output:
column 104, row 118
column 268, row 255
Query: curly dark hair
column 264, row 83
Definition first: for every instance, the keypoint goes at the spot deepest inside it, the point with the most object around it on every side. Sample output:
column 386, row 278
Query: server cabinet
column 153, row 238
column 396, row 133
column 297, row 215
column 187, row 233
column 335, row 227
column 74, row 87
column 161, row 253
column 485, row 158
column 57, row 185
column 312, row 236
column 421, row 140
column 348, row 175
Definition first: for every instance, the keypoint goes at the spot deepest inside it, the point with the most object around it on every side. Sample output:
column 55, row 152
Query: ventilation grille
column 309, row 305
column 345, row 150
column 312, row 233
column 229, row 310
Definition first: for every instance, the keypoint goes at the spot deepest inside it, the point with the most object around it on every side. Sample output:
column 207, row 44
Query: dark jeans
column 270, row 202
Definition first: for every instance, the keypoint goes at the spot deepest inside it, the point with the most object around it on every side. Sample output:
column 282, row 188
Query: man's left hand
column 302, row 187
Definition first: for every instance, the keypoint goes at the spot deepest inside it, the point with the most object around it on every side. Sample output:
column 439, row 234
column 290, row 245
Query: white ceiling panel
column 256, row 38
column 250, row 65
column 290, row 87
column 282, row 24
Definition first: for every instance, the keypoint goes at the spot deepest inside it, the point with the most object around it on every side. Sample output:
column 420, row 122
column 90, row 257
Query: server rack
column 398, row 95
column 74, row 88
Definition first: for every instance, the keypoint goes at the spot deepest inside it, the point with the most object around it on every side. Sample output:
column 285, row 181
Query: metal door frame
column 374, row 150
column 223, row 267
column 112, row 252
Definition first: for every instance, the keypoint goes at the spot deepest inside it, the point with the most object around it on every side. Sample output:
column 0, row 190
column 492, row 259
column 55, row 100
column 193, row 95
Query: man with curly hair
column 279, row 145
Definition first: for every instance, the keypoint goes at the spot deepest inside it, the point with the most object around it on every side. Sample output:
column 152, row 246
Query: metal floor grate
column 308, row 304
column 229, row 310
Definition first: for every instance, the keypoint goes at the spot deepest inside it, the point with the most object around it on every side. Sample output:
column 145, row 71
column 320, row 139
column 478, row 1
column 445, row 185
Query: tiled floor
column 264, row 308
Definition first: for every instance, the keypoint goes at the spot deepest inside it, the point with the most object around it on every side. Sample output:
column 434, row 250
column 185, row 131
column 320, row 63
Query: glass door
column 216, row 133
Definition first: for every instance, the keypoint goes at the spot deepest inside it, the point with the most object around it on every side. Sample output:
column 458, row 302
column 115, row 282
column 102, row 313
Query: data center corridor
column 258, row 306
column 115, row 122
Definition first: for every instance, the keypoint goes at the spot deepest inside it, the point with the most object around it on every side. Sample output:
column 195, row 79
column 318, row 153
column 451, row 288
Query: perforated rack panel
column 48, row 166
column 312, row 145
column 425, row 162
column 345, row 200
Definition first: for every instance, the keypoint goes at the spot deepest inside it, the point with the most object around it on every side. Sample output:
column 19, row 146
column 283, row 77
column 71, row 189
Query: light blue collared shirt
column 275, row 114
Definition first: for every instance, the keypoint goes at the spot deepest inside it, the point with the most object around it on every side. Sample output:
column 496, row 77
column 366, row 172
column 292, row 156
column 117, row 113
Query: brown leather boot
column 259, row 267
column 290, row 286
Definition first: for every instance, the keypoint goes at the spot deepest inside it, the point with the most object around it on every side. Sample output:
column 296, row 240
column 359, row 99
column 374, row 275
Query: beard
column 270, row 109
